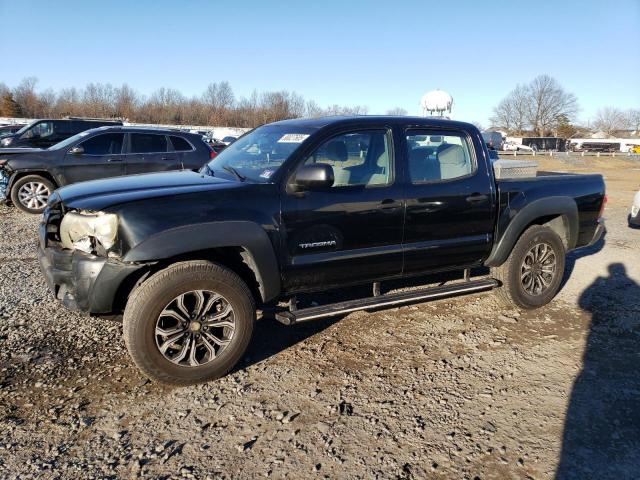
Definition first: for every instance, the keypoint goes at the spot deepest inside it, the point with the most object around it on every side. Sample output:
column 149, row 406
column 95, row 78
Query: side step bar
column 387, row 300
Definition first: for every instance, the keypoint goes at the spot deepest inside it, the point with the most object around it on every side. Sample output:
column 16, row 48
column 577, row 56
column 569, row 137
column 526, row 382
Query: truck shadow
column 601, row 438
column 575, row 255
column 271, row 337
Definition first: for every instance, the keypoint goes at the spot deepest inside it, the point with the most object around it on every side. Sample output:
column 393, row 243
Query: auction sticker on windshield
column 267, row 173
column 293, row 138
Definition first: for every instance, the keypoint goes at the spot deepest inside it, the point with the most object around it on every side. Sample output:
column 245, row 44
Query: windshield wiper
column 237, row 174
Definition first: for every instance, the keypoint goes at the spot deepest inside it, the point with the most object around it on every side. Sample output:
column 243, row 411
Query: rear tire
column 171, row 330
column 30, row 193
column 532, row 274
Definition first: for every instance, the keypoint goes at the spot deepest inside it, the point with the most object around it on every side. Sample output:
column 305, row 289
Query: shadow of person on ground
column 601, row 438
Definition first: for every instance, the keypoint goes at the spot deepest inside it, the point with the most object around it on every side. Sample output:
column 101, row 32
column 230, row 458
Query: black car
column 45, row 133
column 301, row 207
column 29, row 176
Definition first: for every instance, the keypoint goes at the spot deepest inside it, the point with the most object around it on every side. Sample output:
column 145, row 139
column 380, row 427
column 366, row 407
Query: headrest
column 420, row 153
column 337, row 151
column 452, row 154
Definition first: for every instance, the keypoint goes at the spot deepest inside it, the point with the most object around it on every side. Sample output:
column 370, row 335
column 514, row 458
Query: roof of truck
column 365, row 119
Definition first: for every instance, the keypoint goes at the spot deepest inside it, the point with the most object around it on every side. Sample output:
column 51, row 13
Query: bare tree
column 610, row 119
column 126, row 101
column 25, row 95
column 539, row 106
column 216, row 106
column 397, row 111
column 549, row 101
column 68, row 102
column 513, row 110
column 633, row 119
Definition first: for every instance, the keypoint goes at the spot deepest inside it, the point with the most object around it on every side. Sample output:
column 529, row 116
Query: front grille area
column 51, row 219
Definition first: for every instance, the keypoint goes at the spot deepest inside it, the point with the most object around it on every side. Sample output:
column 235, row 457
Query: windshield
column 69, row 140
column 257, row 155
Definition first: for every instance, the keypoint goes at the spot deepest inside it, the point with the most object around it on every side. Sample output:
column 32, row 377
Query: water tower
column 436, row 103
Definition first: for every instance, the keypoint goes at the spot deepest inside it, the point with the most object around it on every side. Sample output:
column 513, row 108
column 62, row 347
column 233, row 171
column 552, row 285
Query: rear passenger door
column 101, row 157
column 149, row 152
column 449, row 201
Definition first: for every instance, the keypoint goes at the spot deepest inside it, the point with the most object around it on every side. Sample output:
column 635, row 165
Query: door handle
column 477, row 198
column 114, row 159
column 389, row 203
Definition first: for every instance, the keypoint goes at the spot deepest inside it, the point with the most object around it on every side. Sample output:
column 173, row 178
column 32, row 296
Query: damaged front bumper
column 82, row 281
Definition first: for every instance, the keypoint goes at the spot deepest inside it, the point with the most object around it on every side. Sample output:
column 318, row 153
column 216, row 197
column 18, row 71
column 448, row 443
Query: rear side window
column 105, row 144
column 63, row 128
column 148, row 143
column 437, row 158
column 180, row 144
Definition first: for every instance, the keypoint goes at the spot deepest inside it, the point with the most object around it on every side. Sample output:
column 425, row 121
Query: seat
column 374, row 172
column 336, row 151
column 423, row 167
column 453, row 163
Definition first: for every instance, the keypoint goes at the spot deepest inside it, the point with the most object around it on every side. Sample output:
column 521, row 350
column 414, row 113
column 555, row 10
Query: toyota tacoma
column 302, row 207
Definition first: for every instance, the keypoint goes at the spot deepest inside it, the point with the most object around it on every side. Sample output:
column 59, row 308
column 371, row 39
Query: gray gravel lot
column 457, row 388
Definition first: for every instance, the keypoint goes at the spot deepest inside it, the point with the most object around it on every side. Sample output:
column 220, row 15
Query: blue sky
column 381, row 54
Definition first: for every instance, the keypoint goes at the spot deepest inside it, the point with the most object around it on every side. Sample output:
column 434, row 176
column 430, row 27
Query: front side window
column 438, row 157
column 180, row 144
column 105, row 144
column 148, row 143
column 357, row 158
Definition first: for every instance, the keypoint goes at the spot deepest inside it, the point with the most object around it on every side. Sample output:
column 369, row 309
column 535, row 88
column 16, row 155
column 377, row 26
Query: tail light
column 212, row 154
column 604, row 203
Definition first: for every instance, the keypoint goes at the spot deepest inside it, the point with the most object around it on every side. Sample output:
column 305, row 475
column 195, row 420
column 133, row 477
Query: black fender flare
column 544, row 207
column 258, row 254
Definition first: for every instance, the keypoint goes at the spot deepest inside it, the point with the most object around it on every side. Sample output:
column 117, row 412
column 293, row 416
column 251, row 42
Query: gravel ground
column 457, row 388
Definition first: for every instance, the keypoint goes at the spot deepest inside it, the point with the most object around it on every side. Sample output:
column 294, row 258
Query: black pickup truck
column 304, row 206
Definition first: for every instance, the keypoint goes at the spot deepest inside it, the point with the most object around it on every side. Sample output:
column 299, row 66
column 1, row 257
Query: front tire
column 189, row 323
column 532, row 274
column 30, row 193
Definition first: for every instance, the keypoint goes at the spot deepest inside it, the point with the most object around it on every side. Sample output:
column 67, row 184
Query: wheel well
column 558, row 223
column 42, row 174
column 235, row 259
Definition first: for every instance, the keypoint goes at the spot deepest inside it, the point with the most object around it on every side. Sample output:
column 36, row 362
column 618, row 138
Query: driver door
column 350, row 232
column 102, row 157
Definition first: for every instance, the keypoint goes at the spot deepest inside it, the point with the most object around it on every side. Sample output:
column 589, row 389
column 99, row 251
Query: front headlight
column 90, row 232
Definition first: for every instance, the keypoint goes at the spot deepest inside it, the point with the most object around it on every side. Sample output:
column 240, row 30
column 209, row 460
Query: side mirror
column 77, row 150
column 317, row 175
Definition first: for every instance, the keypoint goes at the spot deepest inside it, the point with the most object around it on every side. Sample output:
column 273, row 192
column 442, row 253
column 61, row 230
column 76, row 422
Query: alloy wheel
column 34, row 195
column 538, row 269
column 195, row 328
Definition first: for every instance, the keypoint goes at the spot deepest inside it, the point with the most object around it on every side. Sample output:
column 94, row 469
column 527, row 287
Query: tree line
column 543, row 107
column 216, row 106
